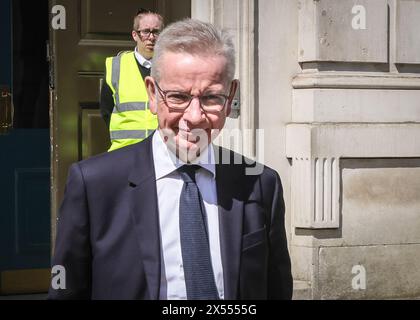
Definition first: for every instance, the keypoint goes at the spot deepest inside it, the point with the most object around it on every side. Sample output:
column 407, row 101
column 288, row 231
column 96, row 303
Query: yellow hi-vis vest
column 131, row 119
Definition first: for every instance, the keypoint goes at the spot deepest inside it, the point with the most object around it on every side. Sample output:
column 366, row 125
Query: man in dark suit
column 174, row 216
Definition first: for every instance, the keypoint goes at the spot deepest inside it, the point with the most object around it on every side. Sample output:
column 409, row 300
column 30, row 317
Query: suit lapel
column 144, row 209
column 230, row 224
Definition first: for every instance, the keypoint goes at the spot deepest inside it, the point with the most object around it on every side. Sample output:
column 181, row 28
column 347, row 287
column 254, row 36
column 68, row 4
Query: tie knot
column 187, row 172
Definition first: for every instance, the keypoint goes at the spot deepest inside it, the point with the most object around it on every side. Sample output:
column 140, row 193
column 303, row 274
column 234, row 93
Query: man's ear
column 151, row 92
column 233, row 88
column 134, row 35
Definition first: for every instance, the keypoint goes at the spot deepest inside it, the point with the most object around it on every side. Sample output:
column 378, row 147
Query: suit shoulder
column 113, row 155
column 245, row 166
column 116, row 161
column 270, row 173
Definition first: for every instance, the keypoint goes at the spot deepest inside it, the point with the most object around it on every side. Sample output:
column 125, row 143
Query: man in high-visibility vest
column 124, row 101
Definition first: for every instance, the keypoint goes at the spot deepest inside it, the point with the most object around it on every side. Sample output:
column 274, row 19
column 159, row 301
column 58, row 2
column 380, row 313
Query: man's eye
column 212, row 99
column 177, row 98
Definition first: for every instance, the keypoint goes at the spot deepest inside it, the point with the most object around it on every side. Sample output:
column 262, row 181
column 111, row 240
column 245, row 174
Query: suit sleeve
column 72, row 250
column 280, row 281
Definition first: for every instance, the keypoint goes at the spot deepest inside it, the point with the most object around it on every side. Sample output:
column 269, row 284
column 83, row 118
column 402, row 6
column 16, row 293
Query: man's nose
column 194, row 114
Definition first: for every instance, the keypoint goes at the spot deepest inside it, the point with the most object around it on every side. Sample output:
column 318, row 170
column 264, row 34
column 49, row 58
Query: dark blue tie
column 198, row 271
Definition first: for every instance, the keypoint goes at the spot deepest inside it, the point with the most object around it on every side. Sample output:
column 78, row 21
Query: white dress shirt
column 142, row 60
column 169, row 185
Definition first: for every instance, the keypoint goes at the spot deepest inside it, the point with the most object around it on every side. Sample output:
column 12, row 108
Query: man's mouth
column 186, row 133
column 193, row 135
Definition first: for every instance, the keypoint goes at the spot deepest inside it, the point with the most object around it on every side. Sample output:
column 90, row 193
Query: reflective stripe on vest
column 130, row 106
column 131, row 120
column 116, row 64
column 128, row 134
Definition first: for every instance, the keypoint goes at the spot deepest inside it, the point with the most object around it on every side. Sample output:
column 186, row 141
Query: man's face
column 146, row 44
column 191, row 130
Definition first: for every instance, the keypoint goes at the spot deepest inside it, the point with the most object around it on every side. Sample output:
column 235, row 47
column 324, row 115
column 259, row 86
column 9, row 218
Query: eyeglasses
column 180, row 101
column 145, row 33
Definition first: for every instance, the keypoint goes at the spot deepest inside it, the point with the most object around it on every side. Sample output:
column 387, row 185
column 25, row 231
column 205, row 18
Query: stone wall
column 336, row 87
column 354, row 142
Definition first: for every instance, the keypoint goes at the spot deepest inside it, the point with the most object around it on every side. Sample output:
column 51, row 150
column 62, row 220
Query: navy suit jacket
column 108, row 229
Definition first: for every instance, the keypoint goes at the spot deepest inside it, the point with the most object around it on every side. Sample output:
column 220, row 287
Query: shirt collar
column 166, row 162
column 142, row 60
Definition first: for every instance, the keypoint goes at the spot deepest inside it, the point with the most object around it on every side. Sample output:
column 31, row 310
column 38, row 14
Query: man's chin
column 186, row 147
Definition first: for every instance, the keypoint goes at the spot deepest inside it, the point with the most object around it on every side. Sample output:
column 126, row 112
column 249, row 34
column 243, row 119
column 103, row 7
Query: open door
column 52, row 66
column 93, row 30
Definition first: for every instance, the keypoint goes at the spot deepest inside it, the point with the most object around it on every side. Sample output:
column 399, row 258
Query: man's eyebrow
column 205, row 91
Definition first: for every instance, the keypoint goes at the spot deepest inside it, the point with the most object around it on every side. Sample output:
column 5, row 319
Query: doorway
column 24, row 148
column 55, row 119
column 95, row 29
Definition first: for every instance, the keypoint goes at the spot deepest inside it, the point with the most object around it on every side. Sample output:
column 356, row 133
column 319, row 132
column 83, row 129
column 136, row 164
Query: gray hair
column 196, row 38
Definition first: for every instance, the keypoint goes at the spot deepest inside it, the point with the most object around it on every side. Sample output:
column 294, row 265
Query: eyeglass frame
column 155, row 32
column 163, row 94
